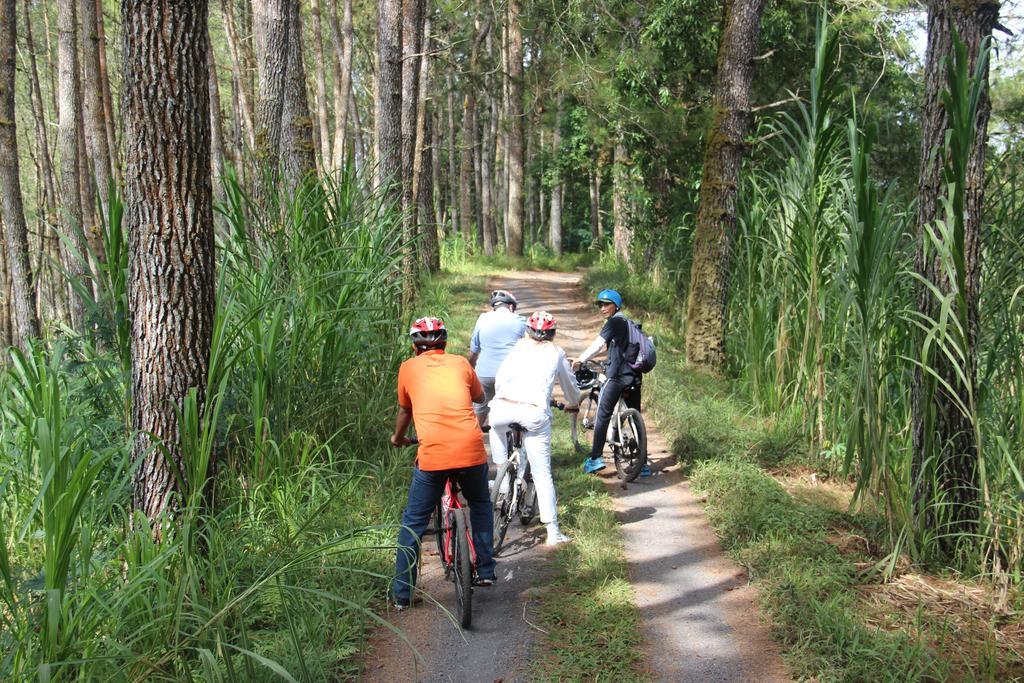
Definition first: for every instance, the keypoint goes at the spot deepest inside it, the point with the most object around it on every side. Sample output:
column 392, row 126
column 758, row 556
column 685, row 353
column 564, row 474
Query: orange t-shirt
column 439, row 387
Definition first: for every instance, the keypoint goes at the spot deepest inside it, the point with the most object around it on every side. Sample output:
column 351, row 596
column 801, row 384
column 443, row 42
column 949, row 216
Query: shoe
column 646, row 471
column 484, row 582
column 591, row 465
column 401, row 604
column 555, row 536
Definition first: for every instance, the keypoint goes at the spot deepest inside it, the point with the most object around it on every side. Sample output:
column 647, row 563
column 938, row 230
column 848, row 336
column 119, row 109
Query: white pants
column 536, row 443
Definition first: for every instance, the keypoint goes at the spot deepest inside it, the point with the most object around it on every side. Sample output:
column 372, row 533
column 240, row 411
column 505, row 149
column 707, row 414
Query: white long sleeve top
column 528, row 373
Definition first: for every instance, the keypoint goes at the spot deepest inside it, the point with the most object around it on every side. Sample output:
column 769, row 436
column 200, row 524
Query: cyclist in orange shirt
column 436, row 391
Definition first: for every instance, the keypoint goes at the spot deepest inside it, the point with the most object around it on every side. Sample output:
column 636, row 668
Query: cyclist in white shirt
column 494, row 335
column 522, row 394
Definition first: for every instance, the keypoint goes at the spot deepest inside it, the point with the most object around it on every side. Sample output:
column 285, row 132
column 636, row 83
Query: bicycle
column 455, row 547
column 627, row 433
column 520, row 495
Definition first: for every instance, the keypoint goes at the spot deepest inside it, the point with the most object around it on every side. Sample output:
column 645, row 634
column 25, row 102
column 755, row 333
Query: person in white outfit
column 522, row 394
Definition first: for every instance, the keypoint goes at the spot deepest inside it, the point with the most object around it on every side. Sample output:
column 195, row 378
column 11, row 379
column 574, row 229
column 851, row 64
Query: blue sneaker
column 591, row 465
column 646, row 471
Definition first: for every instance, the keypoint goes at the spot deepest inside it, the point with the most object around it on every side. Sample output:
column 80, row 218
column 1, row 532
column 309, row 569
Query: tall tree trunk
column 412, row 42
column 466, row 213
column 270, row 23
column 719, row 187
column 595, row 205
column 622, row 232
column 453, row 198
column 321, row 87
column 68, row 117
column 487, row 208
column 238, row 63
column 95, row 123
column 298, row 158
column 216, row 126
column 389, row 98
column 424, row 168
column 108, row 98
column 342, row 38
column 945, row 452
column 555, row 219
column 359, row 147
column 22, row 310
column 435, row 165
column 169, row 221
column 515, row 136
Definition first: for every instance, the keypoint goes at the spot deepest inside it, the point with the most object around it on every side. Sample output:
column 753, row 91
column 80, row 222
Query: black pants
column 629, row 390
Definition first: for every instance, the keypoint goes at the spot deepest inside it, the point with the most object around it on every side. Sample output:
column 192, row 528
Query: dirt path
column 699, row 616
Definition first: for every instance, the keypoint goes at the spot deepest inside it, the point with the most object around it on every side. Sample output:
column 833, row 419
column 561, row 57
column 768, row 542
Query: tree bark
column 342, row 38
column 389, row 99
column 453, row 197
column 92, row 92
column 515, row 136
column 108, row 98
column 21, row 309
column 169, row 221
column 466, row 213
column 622, row 232
column 595, row 206
column 412, row 42
column 270, row 23
column 298, row 158
column 945, row 452
column 424, row 168
column 237, row 64
column 68, row 117
column 216, row 126
column 719, row 187
column 435, row 166
column 555, row 218
column 321, row 87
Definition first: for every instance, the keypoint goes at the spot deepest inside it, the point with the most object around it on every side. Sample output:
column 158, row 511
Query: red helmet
column 542, row 325
column 428, row 333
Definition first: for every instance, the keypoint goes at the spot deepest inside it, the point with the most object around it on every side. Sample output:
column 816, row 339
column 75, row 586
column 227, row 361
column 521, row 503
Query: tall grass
column 822, row 321
column 268, row 570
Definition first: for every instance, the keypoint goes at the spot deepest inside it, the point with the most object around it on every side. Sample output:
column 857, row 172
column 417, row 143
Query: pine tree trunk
column 21, row 308
column 424, row 168
column 270, row 23
column 68, row 117
column 719, row 187
column 95, row 124
column 108, row 98
column 342, row 37
column 237, row 64
column 486, row 187
column 453, row 166
column 466, row 213
column 945, row 451
column 298, row 156
column 216, row 126
column 515, row 137
column 622, row 232
column 169, row 221
column 321, row 87
column 438, row 188
column 555, row 219
column 389, row 98
column 412, row 42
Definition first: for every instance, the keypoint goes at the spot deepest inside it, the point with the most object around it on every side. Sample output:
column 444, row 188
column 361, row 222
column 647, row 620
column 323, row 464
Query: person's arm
column 595, row 348
column 476, row 389
column 474, row 344
column 568, row 382
column 402, row 422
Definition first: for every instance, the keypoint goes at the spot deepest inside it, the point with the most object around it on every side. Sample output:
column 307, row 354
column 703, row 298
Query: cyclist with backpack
column 623, row 379
column 436, row 391
column 494, row 335
column 522, row 394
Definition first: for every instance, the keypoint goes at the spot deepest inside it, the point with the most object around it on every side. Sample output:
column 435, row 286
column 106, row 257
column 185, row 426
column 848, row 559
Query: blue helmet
column 610, row 295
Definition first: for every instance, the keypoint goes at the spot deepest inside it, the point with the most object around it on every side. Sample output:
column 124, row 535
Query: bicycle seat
column 516, row 427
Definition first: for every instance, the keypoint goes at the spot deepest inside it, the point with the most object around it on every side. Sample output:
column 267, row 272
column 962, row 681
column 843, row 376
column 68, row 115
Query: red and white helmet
column 428, row 333
column 541, row 325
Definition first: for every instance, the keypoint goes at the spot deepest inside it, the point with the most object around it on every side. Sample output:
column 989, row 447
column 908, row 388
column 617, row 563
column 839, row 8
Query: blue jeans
column 629, row 390
column 424, row 495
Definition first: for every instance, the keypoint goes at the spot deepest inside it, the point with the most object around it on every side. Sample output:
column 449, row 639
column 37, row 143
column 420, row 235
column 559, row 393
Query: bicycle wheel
column 503, row 502
column 631, row 454
column 463, row 568
column 586, row 417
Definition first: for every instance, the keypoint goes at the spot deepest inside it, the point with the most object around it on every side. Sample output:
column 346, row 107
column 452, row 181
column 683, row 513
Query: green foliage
column 269, row 571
